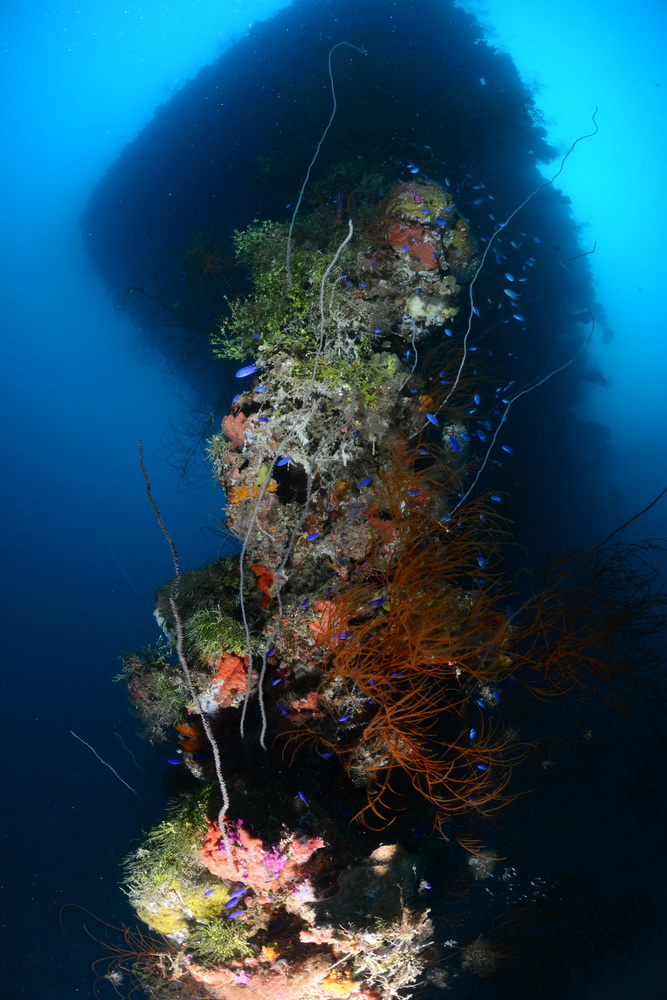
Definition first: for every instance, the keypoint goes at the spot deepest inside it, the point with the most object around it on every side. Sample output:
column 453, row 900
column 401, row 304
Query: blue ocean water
column 82, row 383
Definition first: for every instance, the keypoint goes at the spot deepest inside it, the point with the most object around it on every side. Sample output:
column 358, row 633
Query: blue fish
column 432, row 417
column 513, row 295
column 519, row 317
column 248, row 370
column 455, row 444
column 476, row 399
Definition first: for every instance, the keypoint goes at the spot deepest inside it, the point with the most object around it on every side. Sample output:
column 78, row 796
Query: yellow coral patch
column 338, row 984
column 207, row 907
column 164, row 920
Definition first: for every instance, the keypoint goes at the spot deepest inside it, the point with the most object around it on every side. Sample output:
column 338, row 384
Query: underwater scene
column 335, row 500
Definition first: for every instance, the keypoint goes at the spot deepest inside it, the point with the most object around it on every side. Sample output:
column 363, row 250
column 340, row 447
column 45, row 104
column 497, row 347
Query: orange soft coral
column 412, row 238
column 263, row 869
column 237, row 494
column 264, row 582
column 234, row 427
column 191, row 737
column 231, row 679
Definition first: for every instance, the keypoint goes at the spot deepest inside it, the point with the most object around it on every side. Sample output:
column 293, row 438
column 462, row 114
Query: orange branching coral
column 410, row 642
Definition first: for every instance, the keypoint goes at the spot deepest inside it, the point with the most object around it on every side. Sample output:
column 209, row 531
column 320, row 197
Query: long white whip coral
column 312, row 162
column 178, row 624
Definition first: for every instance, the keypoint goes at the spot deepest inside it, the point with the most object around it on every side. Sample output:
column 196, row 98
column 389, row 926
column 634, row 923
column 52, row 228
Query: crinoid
column 136, row 961
column 204, row 258
column 403, row 646
column 590, row 628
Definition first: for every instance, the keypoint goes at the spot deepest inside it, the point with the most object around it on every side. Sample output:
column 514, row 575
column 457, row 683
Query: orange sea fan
column 405, row 647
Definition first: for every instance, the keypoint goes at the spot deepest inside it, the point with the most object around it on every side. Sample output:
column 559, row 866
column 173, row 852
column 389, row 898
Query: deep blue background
column 81, row 384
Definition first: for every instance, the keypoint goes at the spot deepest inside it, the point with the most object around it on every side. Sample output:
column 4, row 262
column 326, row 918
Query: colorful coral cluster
column 364, row 632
